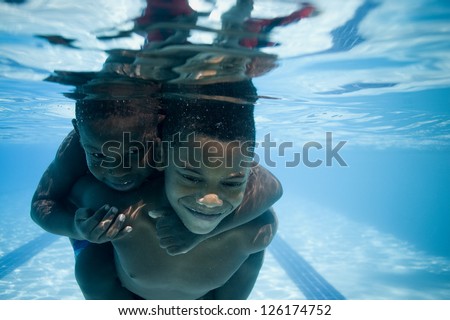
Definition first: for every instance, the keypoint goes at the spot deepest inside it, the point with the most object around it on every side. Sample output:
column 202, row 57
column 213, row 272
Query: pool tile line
column 17, row 257
column 305, row 277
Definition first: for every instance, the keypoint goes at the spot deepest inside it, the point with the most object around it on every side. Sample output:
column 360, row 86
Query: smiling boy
column 224, row 266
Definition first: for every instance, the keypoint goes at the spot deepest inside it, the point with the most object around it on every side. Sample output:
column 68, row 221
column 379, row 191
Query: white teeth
column 205, row 214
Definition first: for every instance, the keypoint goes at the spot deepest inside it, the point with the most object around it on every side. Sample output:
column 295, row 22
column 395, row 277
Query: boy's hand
column 100, row 226
column 173, row 235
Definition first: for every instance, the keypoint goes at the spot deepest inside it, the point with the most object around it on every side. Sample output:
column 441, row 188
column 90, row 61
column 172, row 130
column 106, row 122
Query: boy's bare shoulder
column 66, row 168
column 263, row 178
column 257, row 234
column 70, row 155
column 71, row 143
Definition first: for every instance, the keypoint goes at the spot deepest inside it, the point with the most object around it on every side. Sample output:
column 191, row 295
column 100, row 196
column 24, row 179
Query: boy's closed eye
column 98, row 155
column 235, row 180
column 135, row 152
column 190, row 178
column 233, row 184
column 228, row 183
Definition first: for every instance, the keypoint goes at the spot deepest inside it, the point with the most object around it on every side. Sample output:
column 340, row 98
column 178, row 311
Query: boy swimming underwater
column 81, row 154
column 207, row 164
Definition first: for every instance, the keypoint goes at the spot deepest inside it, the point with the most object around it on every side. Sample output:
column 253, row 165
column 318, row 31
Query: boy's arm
column 51, row 208
column 255, row 236
column 263, row 190
column 48, row 207
column 240, row 285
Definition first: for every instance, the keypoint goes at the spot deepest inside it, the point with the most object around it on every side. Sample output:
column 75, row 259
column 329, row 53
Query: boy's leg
column 96, row 274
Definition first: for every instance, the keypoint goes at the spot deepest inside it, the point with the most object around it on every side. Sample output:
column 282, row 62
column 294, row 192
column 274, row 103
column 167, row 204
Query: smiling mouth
column 204, row 216
column 122, row 186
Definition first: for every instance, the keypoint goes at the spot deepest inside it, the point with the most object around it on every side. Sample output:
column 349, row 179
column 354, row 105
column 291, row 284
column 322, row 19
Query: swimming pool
column 360, row 99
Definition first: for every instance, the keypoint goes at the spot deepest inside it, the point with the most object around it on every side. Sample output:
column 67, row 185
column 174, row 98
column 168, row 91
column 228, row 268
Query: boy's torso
column 146, row 269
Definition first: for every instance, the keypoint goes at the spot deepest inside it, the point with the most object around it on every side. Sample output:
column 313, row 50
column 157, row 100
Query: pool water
column 367, row 79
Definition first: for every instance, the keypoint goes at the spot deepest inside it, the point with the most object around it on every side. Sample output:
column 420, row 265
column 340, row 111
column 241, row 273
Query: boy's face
column 205, row 181
column 116, row 151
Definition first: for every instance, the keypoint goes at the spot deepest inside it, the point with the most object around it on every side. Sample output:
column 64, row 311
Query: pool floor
column 317, row 254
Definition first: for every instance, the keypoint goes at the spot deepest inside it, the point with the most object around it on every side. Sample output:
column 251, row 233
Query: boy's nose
column 210, row 200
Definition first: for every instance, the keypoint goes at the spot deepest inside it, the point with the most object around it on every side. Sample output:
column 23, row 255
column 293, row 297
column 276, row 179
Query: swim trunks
column 79, row 245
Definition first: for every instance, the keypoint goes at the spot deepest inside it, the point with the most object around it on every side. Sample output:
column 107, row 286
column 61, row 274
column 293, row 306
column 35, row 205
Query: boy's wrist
column 76, row 234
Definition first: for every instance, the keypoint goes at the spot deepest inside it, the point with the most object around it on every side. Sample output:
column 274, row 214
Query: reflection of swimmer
column 168, row 56
column 210, row 67
column 231, row 58
column 218, row 64
column 161, row 20
column 243, row 30
column 204, row 64
column 263, row 27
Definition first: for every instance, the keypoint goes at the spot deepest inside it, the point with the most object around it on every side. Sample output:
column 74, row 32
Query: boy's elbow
column 278, row 191
column 272, row 227
column 268, row 226
column 33, row 214
column 40, row 211
column 36, row 211
column 270, row 183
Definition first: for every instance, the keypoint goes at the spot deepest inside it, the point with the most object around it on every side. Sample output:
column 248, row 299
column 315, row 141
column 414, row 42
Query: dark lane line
column 305, row 277
column 25, row 252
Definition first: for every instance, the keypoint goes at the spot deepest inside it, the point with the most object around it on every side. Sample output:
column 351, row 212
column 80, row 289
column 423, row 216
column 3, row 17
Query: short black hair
column 92, row 109
column 102, row 98
column 221, row 111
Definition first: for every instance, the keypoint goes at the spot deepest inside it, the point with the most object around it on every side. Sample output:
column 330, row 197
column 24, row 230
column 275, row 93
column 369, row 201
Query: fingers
column 104, row 225
column 123, row 232
column 168, row 226
column 174, row 237
column 101, row 221
column 172, row 245
column 115, row 227
column 175, row 251
column 88, row 220
column 162, row 212
column 155, row 214
column 82, row 214
column 167, row 236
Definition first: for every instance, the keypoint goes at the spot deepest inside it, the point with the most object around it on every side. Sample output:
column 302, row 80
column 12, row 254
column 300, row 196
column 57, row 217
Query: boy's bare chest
column 150, row 272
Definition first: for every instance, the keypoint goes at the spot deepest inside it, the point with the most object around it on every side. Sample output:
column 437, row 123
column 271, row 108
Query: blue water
column 376, row 74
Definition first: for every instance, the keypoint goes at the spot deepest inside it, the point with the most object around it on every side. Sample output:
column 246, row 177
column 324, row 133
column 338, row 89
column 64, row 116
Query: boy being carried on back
column 123, row 165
